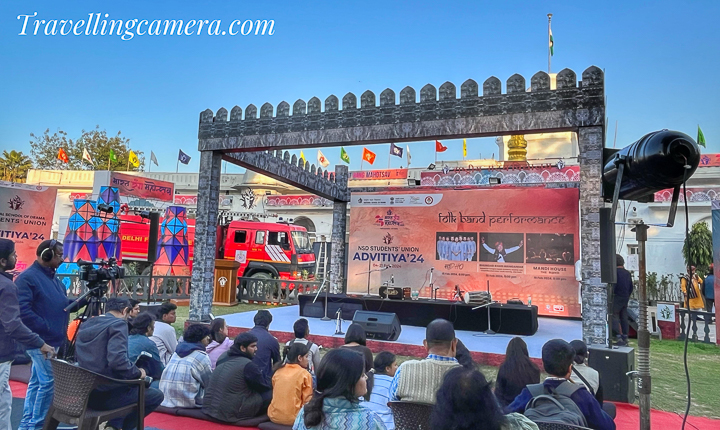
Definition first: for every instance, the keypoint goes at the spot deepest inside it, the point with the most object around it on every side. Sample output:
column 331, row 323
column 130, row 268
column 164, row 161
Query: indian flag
column 552, row 44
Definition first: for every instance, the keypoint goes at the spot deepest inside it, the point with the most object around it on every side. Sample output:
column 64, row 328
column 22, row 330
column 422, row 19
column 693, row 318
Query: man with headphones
column 42, row 298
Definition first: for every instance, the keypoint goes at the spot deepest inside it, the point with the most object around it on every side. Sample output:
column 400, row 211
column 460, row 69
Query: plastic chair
column 73, row 386
column 558, row 426
column 411, row 415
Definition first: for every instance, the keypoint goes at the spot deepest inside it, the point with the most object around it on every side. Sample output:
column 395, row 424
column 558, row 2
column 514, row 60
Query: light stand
column 322, row 285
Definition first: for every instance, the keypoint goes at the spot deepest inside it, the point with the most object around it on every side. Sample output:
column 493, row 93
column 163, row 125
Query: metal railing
column 276, row 291
column 136, row 286
column 705, row 319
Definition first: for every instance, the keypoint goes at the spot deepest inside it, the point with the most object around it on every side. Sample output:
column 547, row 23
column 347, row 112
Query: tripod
column 95, row 306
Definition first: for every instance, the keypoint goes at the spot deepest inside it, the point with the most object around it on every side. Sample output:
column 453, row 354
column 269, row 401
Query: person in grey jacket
column 102, row 347
column 12, row 330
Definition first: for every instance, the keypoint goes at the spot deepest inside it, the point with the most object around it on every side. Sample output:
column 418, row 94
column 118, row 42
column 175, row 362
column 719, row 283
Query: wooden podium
column 225, row 282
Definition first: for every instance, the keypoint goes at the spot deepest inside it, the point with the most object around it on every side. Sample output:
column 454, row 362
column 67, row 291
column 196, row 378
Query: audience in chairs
column 292, row 385
column 187, row 374
column 142, row 327
column 384, row 368
column 465, row 401
column 238, row 389
column 515, row 373
column 341, row 381
column 220, row 341
column 355, row 340
column 419, row 380
column 558, row 357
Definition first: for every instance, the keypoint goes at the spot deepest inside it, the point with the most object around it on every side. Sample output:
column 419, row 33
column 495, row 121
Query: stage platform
column 486, row 349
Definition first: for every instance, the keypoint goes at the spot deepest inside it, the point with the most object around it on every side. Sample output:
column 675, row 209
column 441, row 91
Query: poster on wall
column 26, row 217
column 521, row 242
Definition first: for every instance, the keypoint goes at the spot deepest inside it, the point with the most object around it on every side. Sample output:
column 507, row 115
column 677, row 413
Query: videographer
column 42, row 298
column 102, row 347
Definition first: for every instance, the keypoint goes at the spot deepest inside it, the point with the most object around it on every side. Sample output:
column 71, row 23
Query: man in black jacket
column 268, row 348
column 12, row 330
column 238, row 389
column 621, row 298
column 102, row 347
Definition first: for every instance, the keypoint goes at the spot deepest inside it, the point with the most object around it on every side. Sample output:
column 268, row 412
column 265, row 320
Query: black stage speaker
column 612, row 365
column 153, row 238
column 608, row 265
column 379, row 325
column 317, row 309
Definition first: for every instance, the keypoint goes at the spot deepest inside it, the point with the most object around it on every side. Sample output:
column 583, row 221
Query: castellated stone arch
column 479, row 110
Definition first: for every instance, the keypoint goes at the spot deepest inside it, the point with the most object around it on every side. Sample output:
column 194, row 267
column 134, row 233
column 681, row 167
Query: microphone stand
column 338, row 323
column 489, row 329
column 369, row 272
column 322, row 285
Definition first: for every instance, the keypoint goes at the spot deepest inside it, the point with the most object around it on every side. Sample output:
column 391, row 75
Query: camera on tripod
column 101, row 275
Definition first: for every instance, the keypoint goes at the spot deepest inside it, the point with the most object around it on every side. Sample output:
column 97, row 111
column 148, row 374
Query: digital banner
column 26, row 217
column 145, row 188
column 520, row 242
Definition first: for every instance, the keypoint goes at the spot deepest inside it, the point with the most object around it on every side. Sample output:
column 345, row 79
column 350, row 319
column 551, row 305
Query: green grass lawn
column 666, row 367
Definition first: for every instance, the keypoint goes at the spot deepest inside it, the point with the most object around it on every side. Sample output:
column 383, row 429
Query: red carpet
column 628, row 418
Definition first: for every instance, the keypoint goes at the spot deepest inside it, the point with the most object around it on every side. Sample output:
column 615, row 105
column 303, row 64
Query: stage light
column 494, row 181
column 102, row 207
column 658, row 161
column 431, row 166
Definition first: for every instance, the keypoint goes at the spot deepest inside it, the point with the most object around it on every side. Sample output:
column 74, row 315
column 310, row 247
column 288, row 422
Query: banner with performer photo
column 523, row 241
column 26, row 217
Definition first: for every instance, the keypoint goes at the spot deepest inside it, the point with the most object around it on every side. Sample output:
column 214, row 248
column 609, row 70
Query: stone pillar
column 594, row 292
column 203, row 272
column 337, row 252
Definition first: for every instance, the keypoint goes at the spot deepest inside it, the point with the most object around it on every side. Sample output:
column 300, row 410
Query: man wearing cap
column 419, row 380
column 12, row 330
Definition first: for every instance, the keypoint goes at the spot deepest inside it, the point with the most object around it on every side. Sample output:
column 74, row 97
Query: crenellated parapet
column 284, row 167
column 438, row 113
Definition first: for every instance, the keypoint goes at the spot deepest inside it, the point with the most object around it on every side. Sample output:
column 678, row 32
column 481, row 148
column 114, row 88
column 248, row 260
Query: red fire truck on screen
column 264, row 250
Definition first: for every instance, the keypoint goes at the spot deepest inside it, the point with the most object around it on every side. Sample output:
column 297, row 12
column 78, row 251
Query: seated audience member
column 384, row 368
column 516, row 372
column 101, row 347
column 586, row 375
column 187, row 374
column 341, row 381
column 238, row 389
column 465, row 401
column 355, row 340
column 419, row 380
column 134, row 309
column 164, row 335
column 268, row 348
column 220, row 340
column 557, row 357
column 292, row 386
column 142, row 328
column 302, row 330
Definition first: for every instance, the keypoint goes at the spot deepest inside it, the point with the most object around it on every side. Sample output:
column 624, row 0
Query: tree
column 697, row 249
column 44, row 150
column 14, row 166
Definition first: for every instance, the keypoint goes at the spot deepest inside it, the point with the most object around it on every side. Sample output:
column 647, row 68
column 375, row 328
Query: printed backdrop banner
column 26, row 217
column 522, row 241
column 716, row 260
column 137, row 186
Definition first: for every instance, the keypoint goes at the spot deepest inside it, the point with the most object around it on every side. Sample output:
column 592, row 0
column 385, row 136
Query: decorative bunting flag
column 152, row 158
column 302, row 155
column 87, row 157
column 322, row 159
column 62, row 156
column 344, row 155
column 112, row 156
column 183, row 157
column 368, row 156
column 396, row 150
column 701, row 137
column 133, row 159
column 439, row 147
column 552, row 43
column 464, row 148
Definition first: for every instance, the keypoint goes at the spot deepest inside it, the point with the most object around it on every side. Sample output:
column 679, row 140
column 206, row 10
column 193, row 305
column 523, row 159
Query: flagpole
column 549, row 31
column 177, row 165
column 108, row 162
column 389, row 156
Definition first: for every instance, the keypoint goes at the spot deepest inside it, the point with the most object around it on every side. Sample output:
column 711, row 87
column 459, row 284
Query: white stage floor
column 548, row 328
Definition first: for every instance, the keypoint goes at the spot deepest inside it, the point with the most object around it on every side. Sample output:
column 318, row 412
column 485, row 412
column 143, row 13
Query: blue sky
column 660, row 58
